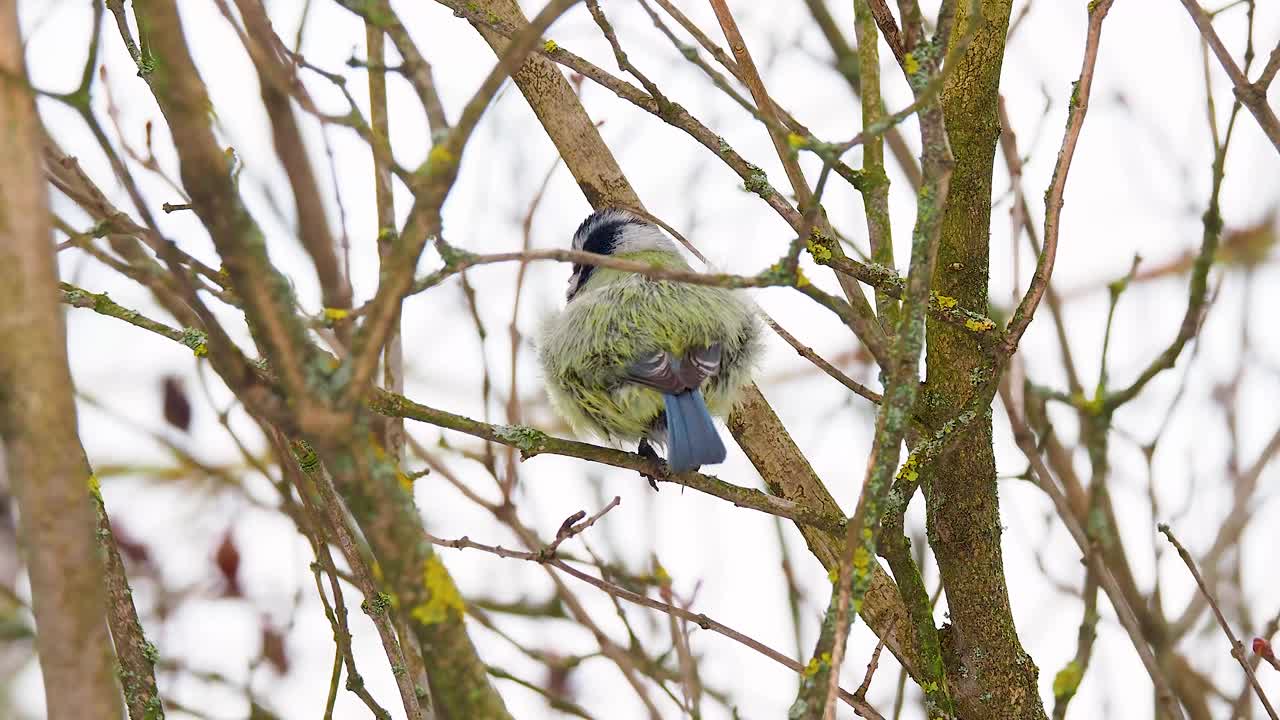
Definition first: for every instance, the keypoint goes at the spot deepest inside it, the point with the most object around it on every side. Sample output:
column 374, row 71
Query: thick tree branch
column 862, row 534
column 276, row 76
column 43, row 457
column 207, row 174
column 962, row 504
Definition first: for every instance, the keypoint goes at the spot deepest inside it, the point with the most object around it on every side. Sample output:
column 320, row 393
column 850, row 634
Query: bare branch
column 377, row 604
column 1053, row 198
column 423, row 223
column 43, row 458
column 207, row 175
column 888, row 28
column 1237, row 647
column 136, row 654
column 1026, row 442
column 1252, row 96
column 699, row 619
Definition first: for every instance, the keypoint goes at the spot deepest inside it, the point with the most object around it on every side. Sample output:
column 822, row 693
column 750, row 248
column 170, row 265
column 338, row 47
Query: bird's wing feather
column 658, row 372
column 666, row 374
column 700, row 364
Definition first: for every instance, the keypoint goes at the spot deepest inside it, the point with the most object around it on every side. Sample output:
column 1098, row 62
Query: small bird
column 640, row 359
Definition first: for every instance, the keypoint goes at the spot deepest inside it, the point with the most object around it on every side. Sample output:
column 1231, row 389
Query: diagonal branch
column 1237, row 647
column 1252, row 95
column 136, row 654
column 888, row 28
column 1057, row 186
column 699, row 619
column 1025, row 439
column 434, row 182
column 275, row 76
column 207, row 174
column 864, row 323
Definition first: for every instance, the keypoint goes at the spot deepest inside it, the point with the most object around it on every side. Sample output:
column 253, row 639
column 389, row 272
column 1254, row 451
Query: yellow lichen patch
column 95, row 485
column 200, row 350
column 909, row 471
column 442, row 594
column 801, row 280
column 661, row 575
column 945, row 302
column 797, row 141
column 439, row 158
column 820, row 252
column 982, row 325
column 332, row 314
column 1067, row 681
column 405, row 481
column 861, row 559
column 816, row 664
column 550, row 46
column 910, row 63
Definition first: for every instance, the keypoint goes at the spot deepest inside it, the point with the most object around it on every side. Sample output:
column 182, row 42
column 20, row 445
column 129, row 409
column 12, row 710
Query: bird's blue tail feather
column 692, row 437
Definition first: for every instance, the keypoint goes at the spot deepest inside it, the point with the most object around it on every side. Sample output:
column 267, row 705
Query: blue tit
column 638, row 359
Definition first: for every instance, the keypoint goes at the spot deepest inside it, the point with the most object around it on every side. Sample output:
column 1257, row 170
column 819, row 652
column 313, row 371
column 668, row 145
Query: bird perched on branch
column 640, row 359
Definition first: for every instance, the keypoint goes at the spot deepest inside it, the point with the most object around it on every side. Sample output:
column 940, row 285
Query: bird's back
column 620, row 316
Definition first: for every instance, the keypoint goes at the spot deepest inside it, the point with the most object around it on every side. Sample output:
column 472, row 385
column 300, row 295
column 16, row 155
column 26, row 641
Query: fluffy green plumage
column 618, row 317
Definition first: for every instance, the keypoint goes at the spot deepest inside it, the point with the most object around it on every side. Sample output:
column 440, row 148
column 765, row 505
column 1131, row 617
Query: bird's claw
column 645, row 450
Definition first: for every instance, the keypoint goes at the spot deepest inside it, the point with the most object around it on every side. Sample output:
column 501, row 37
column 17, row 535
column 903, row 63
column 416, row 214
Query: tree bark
column 991, row 675
column 38, row 419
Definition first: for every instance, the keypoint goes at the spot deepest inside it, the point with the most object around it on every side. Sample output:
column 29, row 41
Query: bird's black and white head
column 614, row 231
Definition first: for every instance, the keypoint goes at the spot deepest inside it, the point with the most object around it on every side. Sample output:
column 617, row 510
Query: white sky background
column 1138, row 185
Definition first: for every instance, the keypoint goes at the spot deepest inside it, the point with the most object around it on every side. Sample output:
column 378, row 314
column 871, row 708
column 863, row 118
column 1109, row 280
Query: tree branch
column 1237, row 647
column 43, row 457
column 1252, row 96
column 1057, row 186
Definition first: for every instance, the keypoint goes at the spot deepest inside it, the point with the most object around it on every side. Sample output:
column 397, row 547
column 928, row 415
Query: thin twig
column 377, row 604
column 1053, row 198
column 1237, row 647
column 874, row 663
column 1128, row 620
column 1022, row 212
column 751, row 76
column 699, row 619
column 1252, row 96
column 807, row 352
column 424, row 222
column 568, row 529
